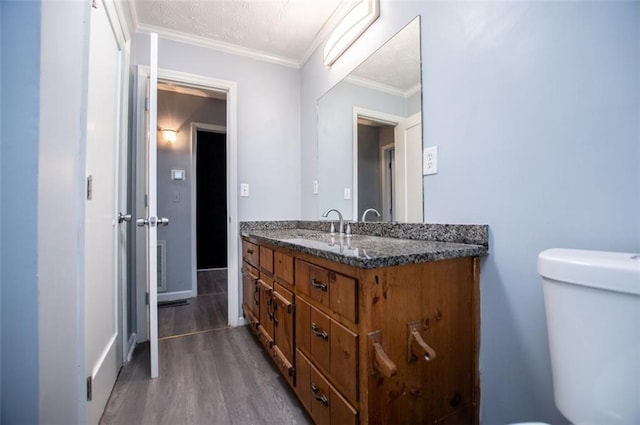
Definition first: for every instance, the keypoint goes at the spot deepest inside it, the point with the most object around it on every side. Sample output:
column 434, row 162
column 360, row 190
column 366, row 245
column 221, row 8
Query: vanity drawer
column 331, row 346
column 250, row 253
column 321, row 399
column 266, row 260
column 283, row 267
column 331, row 289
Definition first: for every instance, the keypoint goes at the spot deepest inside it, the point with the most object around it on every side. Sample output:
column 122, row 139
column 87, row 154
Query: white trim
column 219, row 46
column 174, row 296
column 233, row 246
column 383, row 184
column 384, row 88
column 372, row 115
column 96, row 367
column 195, row 126
column 130, row 347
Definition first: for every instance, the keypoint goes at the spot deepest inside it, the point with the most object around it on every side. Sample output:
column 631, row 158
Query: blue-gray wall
column 179, row 111
column 20, row 40
column 535, row 107
column 268, row 122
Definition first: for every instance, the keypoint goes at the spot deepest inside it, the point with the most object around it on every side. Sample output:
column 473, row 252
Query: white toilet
column 592, row 302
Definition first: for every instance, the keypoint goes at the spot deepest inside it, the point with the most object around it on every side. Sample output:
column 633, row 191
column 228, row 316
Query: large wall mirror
column 370, row 135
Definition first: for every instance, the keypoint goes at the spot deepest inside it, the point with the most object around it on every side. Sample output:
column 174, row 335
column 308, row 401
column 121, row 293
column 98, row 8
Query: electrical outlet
column 244, row 190
column 315, row 187
column 430, row 161
column 347, row 193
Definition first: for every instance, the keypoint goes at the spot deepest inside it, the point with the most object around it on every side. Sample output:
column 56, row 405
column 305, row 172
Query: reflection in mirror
column 370, row 136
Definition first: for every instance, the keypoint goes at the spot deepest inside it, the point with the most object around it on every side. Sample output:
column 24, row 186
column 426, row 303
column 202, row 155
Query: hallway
column 209, row 373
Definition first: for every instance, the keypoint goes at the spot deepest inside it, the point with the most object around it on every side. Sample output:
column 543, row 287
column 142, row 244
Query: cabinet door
column 266, row 312
column 283, row 321
column 250, row 293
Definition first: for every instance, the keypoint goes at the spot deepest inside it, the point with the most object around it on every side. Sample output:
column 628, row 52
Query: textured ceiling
column 282, row 28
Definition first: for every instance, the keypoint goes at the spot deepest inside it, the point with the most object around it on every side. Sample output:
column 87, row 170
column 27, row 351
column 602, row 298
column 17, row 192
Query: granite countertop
column 362, row 250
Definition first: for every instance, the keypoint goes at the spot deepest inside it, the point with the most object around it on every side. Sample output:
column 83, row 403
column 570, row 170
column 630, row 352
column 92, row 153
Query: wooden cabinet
column 390, row 345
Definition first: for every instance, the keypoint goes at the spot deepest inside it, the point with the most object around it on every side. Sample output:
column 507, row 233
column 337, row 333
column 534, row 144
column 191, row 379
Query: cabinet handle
column 382, row 362
column 256, row 294
column 275, row 317
column 321, row 398
column 250, row 251
column 320, row 286
column 419, row 348
column 322, row 334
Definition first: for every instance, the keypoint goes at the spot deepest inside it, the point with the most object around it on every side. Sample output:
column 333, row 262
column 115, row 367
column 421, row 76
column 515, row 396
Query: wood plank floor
column 206, row 311
column 220, row 376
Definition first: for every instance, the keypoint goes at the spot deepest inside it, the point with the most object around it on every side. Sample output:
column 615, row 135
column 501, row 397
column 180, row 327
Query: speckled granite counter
column 374, row 244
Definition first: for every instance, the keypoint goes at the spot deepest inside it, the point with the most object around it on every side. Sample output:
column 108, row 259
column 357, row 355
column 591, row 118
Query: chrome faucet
column 326, row 214
column 364, row 214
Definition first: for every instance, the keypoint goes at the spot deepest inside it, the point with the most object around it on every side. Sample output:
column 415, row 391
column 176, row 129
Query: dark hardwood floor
column 219, row 376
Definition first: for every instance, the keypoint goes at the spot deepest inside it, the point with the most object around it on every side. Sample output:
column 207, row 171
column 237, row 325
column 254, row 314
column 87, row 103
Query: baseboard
column 131, row 345
column 173, row 296
column 240, row 322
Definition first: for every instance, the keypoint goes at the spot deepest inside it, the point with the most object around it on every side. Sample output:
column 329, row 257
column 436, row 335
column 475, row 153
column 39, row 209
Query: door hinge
column 89, row 187
column 146, row 103
column 89, row 388
column 146, row 298
column 146, row 200
column 94, row 4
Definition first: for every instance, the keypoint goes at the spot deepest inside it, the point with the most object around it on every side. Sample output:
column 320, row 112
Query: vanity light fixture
column 352, row 26
column 169, row 135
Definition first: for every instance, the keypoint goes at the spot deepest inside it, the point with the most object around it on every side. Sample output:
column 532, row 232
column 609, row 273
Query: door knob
column 163, row 221
column 124, row 217
column 141, row 222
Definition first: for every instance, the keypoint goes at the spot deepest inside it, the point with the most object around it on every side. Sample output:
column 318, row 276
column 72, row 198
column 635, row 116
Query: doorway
column 211, row 200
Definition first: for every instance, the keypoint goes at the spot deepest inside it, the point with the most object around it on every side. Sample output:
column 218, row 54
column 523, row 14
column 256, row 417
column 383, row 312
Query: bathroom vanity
column 380, row 327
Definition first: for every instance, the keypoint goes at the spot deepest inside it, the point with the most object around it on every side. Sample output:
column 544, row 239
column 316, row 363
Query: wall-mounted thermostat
column 177, row 175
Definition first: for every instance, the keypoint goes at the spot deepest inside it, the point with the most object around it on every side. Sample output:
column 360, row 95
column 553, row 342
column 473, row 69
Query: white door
column 103, row 350
column 408, row 160
column 150, row 220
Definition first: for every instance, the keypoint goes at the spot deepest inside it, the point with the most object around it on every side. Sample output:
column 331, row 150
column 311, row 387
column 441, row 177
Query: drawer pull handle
column 322, row 334
column 320, row 286
column 419, row 348
column 250, row 251
column 321, row 398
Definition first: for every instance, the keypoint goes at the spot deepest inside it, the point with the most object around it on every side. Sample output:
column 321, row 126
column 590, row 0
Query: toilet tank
column 592, row 303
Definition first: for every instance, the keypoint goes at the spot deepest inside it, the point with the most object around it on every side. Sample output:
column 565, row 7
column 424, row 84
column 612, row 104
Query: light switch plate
column 244, row 190
column 430, row 161
column 178, row 175
column 315, row 187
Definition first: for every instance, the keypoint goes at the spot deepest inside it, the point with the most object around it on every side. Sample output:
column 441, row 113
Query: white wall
column 268, row 122
column 535, row 108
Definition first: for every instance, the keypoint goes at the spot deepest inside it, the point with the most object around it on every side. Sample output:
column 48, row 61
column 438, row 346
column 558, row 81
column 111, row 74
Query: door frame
column 233, row 250
column 376, row 116
column 195, row 126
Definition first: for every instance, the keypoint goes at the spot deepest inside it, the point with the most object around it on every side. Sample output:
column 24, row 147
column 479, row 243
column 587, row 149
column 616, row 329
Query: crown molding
column 218, row 45
column 370, row 84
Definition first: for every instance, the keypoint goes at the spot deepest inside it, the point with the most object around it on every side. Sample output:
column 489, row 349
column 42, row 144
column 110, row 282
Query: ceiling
column 281, row 31
column 284, row 31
